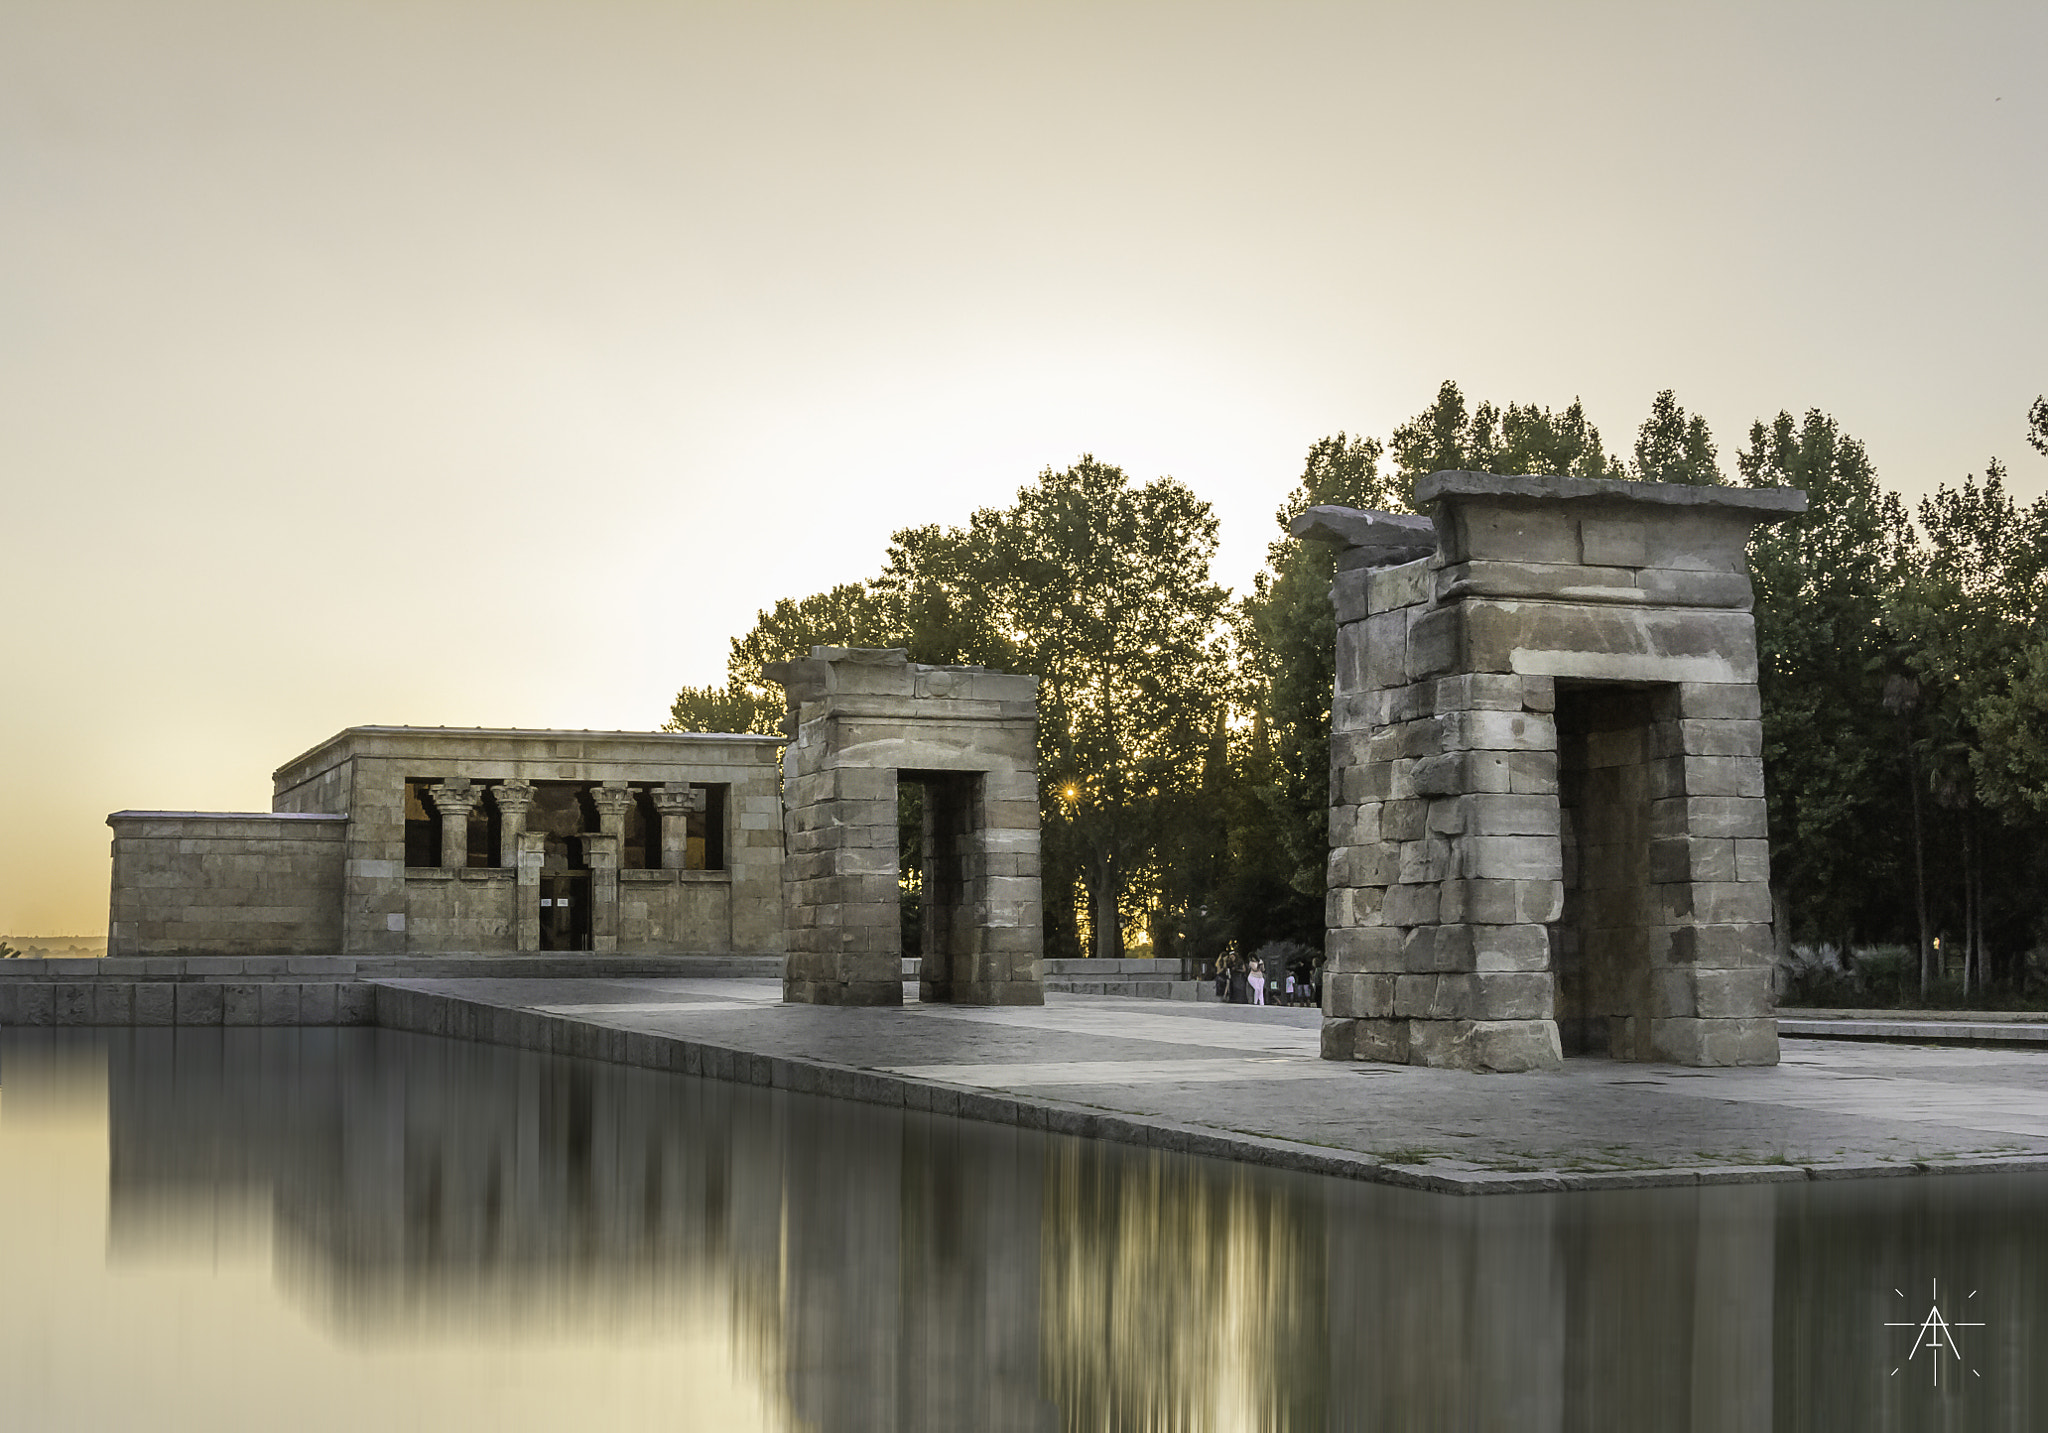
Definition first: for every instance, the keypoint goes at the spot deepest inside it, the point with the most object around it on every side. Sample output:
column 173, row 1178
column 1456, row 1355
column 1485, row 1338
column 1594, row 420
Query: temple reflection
column 879, row 1270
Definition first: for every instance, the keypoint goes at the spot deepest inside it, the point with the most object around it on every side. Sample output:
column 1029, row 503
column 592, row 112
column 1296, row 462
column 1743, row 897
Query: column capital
column 611, row 797
column 512, row 797
column 679, row 799
column 612, row 801
column 454, row 798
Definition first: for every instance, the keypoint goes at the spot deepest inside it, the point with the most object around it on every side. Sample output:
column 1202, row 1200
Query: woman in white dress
column 1258, row 982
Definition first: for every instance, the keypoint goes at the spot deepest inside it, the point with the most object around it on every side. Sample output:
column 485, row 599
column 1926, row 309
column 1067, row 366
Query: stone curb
column 1917, row 1032
column 428, row 1012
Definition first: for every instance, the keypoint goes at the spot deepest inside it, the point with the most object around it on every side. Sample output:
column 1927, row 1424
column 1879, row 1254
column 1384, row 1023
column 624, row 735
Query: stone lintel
column 1771, row 504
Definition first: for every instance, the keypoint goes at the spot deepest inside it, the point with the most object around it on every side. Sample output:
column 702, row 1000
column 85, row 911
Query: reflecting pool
column 361, row 1229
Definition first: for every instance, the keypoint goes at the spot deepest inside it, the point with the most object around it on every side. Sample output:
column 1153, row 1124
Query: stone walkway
column 1246, row 1083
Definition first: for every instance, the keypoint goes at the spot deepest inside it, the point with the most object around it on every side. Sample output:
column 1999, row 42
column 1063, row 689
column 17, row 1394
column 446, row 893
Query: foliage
column 727, row 708
column 9, row 952
column 1674, row 448
column 1102, row 588
column 1822, row 582
column 1286, row 642
column 1520, row 438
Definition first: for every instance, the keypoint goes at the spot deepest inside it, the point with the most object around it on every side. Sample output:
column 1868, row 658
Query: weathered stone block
column 1725, row 947
column 1682, row 859
column 1404, row 820
column 113, row 1003
column 1363, row 950
column 1743, row 993
column 1503, row 1046
column 1411, row 905
column 199, row 1004
column 1503, row 903
column 1715, row 1042
column 1478, row 691
column 1338, row 1039
column 1510, row 858
column 1381, row 1041
column 1512, row 731
column 1719, row 701
column 155, row 1003
column 1435, row 640
column 1423, row 861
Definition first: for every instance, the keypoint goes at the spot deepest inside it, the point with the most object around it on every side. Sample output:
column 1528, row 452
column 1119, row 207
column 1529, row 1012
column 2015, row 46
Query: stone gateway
column 861, row 722
column 1547, row 830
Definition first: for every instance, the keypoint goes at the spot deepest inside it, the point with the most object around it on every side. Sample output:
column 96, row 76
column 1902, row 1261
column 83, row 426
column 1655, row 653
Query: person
column 1222, row 977
column 1258, row 982
column 1290, row 989
column 1240, row 984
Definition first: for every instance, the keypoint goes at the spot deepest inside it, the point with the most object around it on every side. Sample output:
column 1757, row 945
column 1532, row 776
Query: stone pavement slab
column 1247, row 1083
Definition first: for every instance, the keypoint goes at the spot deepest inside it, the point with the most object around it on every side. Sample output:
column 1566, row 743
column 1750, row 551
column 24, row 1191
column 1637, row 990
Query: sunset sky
column 417, row 361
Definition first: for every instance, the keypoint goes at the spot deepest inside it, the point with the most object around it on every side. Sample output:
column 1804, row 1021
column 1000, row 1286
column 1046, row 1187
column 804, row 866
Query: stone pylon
column 1547, row 830
column 862, row 721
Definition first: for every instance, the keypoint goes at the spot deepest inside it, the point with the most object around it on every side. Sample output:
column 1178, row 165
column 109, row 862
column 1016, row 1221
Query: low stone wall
column 290, row 990
column 229, row 883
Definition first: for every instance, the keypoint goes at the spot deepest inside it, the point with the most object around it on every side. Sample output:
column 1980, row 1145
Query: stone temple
column 425, row 841
column 1547, row 829
column 403, row 842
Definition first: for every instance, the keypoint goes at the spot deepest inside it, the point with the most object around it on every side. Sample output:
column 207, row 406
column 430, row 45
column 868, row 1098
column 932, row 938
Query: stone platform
column 1246, row 1083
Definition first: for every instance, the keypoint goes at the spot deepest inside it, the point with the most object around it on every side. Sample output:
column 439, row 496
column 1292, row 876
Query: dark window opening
column 706, row 848
column 641, row 848
column 422, row 823
column 486, row 828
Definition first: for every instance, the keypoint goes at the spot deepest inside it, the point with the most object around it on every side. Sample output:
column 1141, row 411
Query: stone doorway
column 1607, row 736
column 866, row 725
column 565, row 909
column 951, row 876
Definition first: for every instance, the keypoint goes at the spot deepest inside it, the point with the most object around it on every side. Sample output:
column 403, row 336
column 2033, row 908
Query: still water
column 361, row 1229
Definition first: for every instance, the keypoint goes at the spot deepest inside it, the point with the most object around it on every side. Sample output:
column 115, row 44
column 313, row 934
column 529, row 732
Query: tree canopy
column 1184, row 737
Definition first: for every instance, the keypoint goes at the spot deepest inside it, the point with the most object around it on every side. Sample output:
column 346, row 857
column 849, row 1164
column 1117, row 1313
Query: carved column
column 676, row 801
column 454, row 799
column 512, row 799
column 530, row 853
column 611, row 800
column 603, row 853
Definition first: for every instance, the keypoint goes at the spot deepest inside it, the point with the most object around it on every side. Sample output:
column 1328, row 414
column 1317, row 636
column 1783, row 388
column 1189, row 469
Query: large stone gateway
column 1547, row 829
column 863, row 721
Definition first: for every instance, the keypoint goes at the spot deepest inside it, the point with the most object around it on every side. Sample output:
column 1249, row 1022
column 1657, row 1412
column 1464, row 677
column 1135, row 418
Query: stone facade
column 861, row 721
column 1547, row 828
column 398, row 841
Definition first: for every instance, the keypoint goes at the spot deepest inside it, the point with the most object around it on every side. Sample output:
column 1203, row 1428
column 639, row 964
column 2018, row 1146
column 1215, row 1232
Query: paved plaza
column 1246, row 1082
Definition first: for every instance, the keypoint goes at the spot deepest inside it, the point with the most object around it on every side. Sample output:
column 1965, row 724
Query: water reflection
column 875, row 1271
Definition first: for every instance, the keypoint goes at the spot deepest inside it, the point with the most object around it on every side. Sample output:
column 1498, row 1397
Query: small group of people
column 1243, row 981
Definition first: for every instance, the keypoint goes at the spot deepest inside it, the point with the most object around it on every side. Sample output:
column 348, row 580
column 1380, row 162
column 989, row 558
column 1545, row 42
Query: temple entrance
column 934, row 857
column 1607, row 753
column 565, row 907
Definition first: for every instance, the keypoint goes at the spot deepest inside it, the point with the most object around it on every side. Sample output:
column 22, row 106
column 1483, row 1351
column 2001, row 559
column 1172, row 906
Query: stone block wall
column 225, row 883
column 390, row 910
column 1480, row 887
column 862, row 721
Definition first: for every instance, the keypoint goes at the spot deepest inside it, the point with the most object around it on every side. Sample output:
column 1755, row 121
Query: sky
column 441, row 362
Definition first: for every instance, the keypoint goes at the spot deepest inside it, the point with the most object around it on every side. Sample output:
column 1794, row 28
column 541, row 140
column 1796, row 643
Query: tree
column 1674, row 448
column 849, row 615
column 1099, row 587
column 2037, row 426
column 726, row 708
column 1520, row 438
column 1824, row 583
column 1102, row 589
column 1286, row 655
